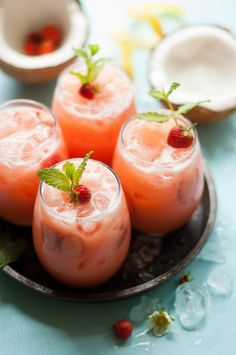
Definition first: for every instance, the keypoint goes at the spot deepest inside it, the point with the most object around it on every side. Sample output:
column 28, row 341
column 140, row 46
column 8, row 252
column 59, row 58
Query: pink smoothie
column 29, row 140
column 85, row 244
column 163, row 185
column 93, row 124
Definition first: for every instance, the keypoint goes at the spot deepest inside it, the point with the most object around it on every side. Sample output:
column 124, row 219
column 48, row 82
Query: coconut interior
column 202, row 59
column 19, row 18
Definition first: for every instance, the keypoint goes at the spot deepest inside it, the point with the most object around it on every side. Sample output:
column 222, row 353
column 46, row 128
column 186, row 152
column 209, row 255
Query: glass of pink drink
column 30, row 139
column 93, row 124
column 83, row 244
column 163, row 185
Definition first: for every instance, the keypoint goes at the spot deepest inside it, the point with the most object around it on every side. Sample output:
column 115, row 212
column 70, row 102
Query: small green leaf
column 10, row 249
column 94, row 48
column 94, row 67
column 157, row 94
column 80, row 52
column 153, row 117
column 69, row 170
column 55, row 178
column 188, row 107
column 81, row 167
column 172, row 88
column 82, row 78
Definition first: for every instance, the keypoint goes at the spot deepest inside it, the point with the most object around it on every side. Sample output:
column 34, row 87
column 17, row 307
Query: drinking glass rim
column 83, row 219
column 86, row 109
column 31, row 104
column 188, row 154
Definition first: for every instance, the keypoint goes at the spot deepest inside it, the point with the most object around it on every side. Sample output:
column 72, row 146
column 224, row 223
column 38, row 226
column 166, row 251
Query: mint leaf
column 94, row 66
column 94, row 48
column 10, row 249
column 66, row 180
column 55, row 178
column 81, row 167
column 153, row 117
column 82, row 78
column 69, row 170
column 188, row 107
column 157, row 94
column 80, row 52
column 172, row 88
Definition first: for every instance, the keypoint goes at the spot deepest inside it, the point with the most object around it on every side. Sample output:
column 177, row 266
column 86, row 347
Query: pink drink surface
column 163, row 185
column 84, row 244
column 29, row 141
column 93, row 124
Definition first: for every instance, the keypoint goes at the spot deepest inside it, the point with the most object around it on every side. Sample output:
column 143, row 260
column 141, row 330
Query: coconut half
column 19, row 18
column 202, row 58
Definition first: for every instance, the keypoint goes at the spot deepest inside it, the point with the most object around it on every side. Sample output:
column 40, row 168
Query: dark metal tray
column 151, row 260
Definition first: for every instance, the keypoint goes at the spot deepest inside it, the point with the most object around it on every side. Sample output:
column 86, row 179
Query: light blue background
column 31, row 324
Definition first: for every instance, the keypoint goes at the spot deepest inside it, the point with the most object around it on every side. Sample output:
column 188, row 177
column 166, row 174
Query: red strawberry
column 52, row 33
column 123, row 329
column 30, row 48
column 46, row 46
column 87, row 91
column 84, row 193
column 180, row 137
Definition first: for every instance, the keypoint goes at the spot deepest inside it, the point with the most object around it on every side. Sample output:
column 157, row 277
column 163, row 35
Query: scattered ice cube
column 191, row 304
column 142, row 310
column 212, row 253
column 220, row 282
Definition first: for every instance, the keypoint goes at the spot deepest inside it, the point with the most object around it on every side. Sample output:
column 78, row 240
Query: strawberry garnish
column 180, row 137
column 87, row 91
column 84, row 194
column 123, row 329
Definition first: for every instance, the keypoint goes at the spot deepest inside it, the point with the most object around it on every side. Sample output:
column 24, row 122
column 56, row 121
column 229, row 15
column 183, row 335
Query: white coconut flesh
column 203, row 60
column 19, row 18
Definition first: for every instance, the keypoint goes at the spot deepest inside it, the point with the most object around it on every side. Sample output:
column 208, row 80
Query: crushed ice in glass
column 191, row 303
column 142, row 310
column 220, row 282
column 142, row 257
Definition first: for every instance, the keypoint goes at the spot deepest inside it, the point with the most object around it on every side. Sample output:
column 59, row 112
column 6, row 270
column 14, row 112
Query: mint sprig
column 68, row 179
column 94, row 66
column 164, row 95
column 10, row 249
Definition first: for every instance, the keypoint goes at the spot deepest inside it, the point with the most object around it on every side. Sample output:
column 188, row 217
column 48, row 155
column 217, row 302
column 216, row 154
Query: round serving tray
column 151, row 260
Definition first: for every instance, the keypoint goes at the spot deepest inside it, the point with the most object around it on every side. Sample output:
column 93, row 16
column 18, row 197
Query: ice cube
column 142, row 310
column 212, row 253
column 191, row 304
column 220, row 282
column 100, row 201
column 51, row 239
column 72, row 245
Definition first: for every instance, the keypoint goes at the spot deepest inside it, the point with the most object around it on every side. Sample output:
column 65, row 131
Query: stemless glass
column 93, row 124
column 163, row 185
column 83, row 244
column 30, row 139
